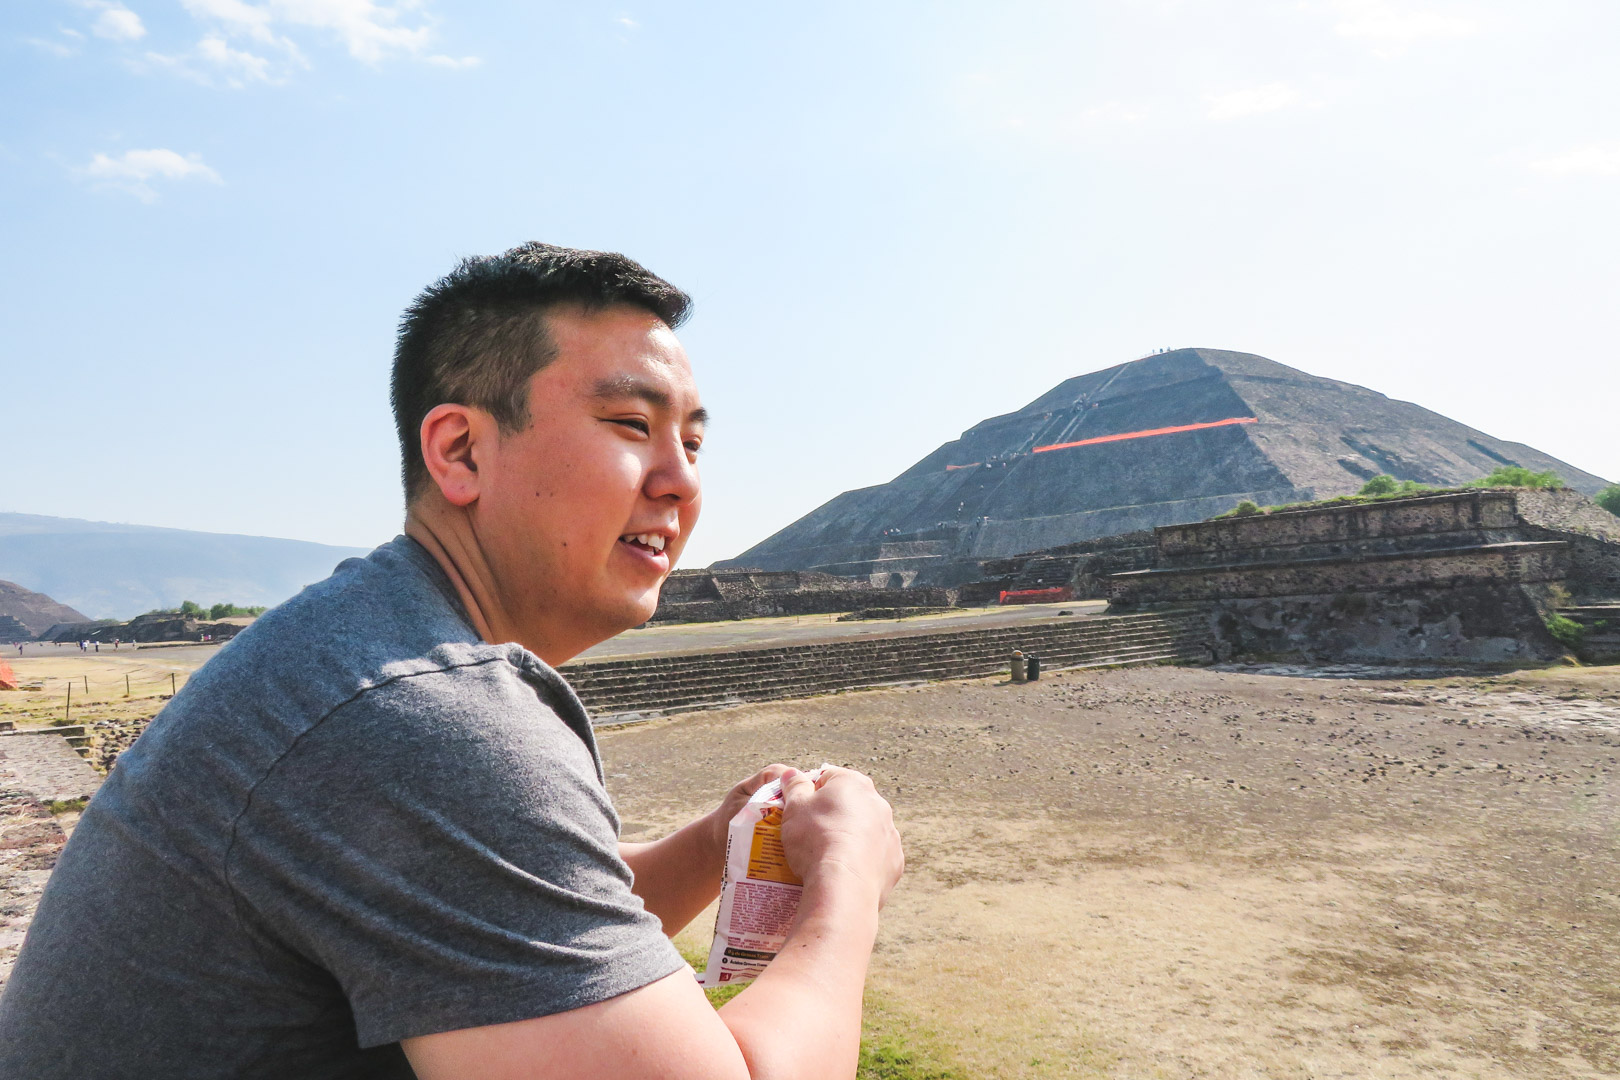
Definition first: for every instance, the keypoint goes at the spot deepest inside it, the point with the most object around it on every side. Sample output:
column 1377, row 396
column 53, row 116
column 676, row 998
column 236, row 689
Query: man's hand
column 679, row 876
column 840, row 824
column 718, row 820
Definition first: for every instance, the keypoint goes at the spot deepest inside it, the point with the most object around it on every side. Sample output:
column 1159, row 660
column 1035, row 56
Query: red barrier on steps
column 1151, row 431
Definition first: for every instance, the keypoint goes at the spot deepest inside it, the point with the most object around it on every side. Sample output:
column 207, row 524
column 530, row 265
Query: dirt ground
column 1235, row 873
column 1239, row 873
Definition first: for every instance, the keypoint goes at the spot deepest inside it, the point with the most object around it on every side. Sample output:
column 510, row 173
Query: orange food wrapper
column 759, row 893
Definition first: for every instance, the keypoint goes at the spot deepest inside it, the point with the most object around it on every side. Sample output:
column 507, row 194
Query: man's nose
column 674, row 475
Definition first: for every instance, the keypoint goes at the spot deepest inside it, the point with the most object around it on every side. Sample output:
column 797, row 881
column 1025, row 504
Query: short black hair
column 477, row 335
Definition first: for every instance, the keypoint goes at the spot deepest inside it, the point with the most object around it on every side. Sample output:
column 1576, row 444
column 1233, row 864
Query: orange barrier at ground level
column 1151, row 431
column 1036, row 596
column 8, row 678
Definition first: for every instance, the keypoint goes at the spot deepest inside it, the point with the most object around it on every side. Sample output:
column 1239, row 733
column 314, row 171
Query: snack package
column 759, row 895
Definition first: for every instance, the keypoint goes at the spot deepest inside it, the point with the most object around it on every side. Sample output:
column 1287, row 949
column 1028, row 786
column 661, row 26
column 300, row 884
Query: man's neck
column 454, row 546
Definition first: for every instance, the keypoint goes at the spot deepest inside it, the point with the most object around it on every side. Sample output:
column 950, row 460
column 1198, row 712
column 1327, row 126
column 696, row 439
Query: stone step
column 1587, row 614
column 662, row 694
column 1012, row 635
column 69, row 731
column 781, row 667
column 854, row 651
column 622, row 714
column 992, row 659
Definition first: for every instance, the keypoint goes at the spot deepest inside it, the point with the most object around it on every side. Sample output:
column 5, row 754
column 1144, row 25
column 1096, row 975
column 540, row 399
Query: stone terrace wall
column 1462, row 575
column 712, row 596
column 1517, row 563
column 1393, row 525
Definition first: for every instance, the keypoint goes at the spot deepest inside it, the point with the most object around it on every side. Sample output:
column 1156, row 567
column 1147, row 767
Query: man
column 371, row 835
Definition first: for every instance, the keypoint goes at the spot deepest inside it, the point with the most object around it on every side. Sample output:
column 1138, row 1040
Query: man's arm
column 800, row 1019
column 679, row 876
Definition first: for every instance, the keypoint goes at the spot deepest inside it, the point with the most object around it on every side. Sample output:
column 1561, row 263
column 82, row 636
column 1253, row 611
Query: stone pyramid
column 1175, row 437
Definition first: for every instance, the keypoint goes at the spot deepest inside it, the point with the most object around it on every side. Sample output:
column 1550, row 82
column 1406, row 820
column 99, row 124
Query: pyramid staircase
column 617, row 690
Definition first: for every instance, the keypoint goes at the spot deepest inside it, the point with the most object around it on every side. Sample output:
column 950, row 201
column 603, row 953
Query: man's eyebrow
column 623, row 386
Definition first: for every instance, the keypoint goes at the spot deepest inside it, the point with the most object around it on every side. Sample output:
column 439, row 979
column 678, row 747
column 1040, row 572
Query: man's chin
column 635, row 611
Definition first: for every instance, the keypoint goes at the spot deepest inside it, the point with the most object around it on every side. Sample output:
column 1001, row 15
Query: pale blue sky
column 896, row 219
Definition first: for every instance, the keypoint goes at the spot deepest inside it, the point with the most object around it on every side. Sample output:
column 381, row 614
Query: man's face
column 583, row 514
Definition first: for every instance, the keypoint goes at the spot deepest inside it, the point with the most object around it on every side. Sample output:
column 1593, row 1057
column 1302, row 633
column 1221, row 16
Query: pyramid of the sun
column 1171, row 438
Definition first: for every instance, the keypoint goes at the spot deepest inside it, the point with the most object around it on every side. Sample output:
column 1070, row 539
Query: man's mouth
column 648, row 541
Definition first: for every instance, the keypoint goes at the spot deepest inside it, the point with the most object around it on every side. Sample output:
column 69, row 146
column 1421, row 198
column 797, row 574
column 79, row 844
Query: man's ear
column 452, row 438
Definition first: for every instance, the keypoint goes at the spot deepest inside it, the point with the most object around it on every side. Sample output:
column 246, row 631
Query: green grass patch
column 67, row 806
column 893, row 1045
column 1517, row 476
column 1383, row 487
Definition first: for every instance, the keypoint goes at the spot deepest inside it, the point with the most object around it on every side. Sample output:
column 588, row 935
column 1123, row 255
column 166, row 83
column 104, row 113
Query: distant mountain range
column 118, row 571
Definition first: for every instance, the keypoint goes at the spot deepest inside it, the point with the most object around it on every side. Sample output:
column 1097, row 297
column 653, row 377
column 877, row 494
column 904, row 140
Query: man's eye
column 694, row 446
column 637, row 425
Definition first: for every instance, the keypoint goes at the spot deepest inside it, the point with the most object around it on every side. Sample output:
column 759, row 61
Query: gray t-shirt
column 356, row 823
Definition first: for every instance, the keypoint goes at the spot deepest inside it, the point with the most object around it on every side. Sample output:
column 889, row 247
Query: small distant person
column 372, row 838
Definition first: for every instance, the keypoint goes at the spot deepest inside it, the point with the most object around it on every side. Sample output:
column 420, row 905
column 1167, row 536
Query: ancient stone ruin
column 34, row 612
column 1176, row 437
column 710, row 595
column 1472, row 575
column 153, row 626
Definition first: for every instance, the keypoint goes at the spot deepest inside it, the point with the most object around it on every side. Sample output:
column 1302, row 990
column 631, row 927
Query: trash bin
column 1032, row 667
column 1018, row 670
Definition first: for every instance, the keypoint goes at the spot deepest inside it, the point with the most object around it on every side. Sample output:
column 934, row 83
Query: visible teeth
column 652, row 540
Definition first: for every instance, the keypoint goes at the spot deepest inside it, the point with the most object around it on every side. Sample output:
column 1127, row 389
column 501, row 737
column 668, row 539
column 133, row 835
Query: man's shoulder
column 373, row 622
column 373, row 619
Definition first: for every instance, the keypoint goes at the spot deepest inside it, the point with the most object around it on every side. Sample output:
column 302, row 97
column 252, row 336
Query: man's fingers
column 770, row 772
column 796, row 786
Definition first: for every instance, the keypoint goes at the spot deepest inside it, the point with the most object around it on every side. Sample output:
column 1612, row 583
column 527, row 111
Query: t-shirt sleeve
column 443, row 847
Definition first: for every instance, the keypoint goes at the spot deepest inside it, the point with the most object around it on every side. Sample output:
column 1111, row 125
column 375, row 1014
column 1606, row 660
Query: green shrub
column 228, row 610
column 1609, row 499
column 1382, row 484
column 1518, row 476
column 1568, row 633
column 1245, row 509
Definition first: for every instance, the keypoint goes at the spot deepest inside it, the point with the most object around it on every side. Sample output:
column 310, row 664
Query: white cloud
column 1252, row 101
column 55, row 48
column 237, row 67
column 131, row 170
column 239, row 17
column 370, row 31
column 117, row 23
column 1598, row 159
column 627, row 22
column 1391, row 26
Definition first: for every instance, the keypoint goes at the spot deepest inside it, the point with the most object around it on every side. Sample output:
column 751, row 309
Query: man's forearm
column 678, row 876
column 802, row 1017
